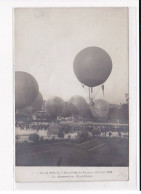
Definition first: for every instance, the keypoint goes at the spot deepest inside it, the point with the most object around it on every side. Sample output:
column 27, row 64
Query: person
column 105, row 133
column 69, row 137
column 119, row 134
column 110, row 133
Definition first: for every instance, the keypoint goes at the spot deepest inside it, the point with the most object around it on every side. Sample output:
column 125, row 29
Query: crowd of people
column 95, row 130
column 34, row 126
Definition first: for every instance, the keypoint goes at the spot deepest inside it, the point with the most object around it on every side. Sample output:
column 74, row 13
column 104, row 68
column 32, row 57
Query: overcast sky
column 48, row 39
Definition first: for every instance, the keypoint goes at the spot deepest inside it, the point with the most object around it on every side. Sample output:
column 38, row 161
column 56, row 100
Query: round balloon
column 81, row 105
column 66, row 111
column 27, row 111
column 37, row 104
column 55, row 106
column 100, row 109
column 72, row 109
column 92, row 66
column 26, row 89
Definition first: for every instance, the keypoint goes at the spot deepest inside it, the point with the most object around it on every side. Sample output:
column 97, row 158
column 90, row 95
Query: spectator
column 119, row 134
column 110, row 133
column 105, row 133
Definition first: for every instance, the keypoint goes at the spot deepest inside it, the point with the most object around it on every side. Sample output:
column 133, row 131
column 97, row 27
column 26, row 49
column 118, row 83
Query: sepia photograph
column 71, row 69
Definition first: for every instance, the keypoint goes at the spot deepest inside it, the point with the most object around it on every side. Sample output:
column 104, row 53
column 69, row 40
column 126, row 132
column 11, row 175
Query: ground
column 95, row 152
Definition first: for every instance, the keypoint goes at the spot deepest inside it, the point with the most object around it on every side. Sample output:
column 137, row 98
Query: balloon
column 119, row 113
column 55, row 106
column 66, row 111
column 92, row 66
column 73, row 109
column 26, row 89
column 34, row 107
column 81, row 106
column 26, row 111
column 37, row 104
column 100, row 110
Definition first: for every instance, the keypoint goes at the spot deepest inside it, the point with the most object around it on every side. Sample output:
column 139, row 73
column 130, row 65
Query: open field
column 95, row 152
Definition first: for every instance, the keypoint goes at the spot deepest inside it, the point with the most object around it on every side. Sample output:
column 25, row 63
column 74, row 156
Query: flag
column 103, row 89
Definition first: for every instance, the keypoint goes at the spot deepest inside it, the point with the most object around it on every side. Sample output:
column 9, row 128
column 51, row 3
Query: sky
column 48, row 39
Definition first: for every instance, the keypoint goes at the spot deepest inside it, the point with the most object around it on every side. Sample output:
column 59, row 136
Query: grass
column 112, row 152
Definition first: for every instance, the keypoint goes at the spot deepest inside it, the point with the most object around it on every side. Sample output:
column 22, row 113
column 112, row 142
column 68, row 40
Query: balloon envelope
column 37, row 104
column 55, row 106
column 73, row 109
column 92, row 66
column 100, row 109
column 80, row 105
column 66, row 111
column 26, row 111
column 26, row 89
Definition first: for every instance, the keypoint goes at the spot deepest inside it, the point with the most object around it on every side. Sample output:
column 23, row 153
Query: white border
column 6, row 102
